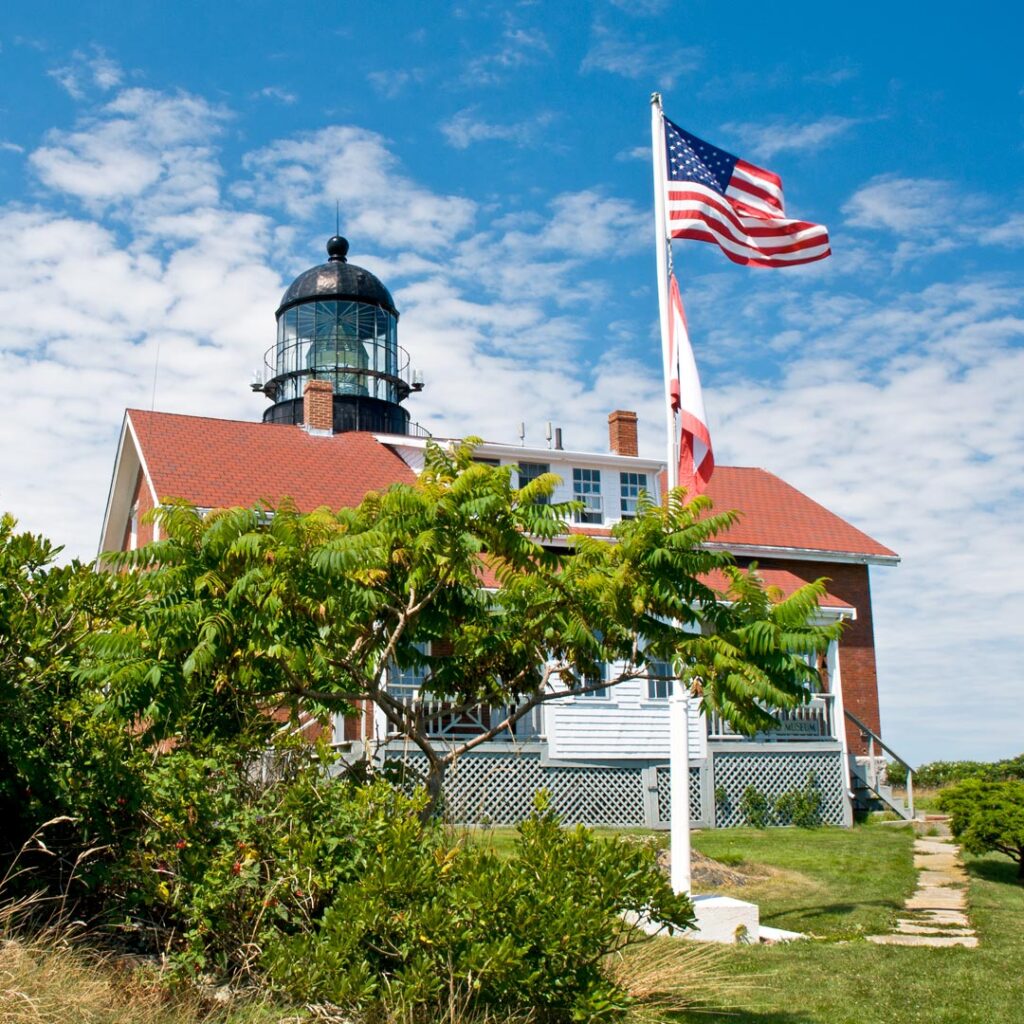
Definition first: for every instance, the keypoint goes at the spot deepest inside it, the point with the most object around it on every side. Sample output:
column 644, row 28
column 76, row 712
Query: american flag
column 714, row 196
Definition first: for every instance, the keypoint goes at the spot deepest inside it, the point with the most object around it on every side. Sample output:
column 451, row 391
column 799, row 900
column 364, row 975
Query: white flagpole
column 679, row 753
column 661, row 249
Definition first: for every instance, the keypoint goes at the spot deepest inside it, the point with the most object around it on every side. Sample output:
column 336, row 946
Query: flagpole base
column 720, row 919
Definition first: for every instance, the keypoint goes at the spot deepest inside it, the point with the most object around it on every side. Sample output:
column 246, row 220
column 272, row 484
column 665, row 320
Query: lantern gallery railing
column 811, row 721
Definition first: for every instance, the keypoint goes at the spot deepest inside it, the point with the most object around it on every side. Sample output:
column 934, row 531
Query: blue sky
column 166, row 169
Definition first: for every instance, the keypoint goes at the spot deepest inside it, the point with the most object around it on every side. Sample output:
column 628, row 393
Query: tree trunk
column 1020, row 865
column 435, row 787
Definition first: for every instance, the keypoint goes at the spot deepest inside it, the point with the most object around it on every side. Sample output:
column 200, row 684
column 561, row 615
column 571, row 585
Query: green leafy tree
column 248, row 610
column 988, row 816
column 59, row 762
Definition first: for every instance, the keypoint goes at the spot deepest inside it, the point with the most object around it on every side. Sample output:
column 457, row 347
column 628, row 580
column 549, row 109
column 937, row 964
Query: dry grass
column 45, row 981
column 667, row 976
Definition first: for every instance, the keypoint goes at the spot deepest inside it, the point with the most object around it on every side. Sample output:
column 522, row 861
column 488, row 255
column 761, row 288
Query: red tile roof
column 222, row 463
column 216, row 463
column 784, row 579
column 776, row 515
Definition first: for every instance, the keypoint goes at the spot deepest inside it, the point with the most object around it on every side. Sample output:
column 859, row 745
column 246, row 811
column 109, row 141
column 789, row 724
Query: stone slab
column 912, row 928
column 933, row 846
column 937, row 861
column 939, row 880
column 955, row 918
column 935, row 941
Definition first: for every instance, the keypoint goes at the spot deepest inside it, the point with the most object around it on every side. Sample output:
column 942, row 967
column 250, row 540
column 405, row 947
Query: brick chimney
column 318, row 406
column 622, row 433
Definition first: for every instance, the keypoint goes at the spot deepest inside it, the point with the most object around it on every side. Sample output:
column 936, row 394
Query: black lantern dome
column 337, row 322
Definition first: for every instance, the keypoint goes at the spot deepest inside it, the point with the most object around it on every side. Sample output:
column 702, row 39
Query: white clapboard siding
column 625, row 724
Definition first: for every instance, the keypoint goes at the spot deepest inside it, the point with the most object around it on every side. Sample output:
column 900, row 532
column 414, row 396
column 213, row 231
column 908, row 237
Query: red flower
column 236, row 868
column 181, row 844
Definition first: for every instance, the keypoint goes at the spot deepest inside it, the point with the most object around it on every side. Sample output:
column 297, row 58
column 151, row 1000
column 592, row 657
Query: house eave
column 802, row 554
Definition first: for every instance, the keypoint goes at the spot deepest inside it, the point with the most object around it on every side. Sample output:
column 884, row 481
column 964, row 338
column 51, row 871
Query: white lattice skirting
column 499, row 788
column 773, row 774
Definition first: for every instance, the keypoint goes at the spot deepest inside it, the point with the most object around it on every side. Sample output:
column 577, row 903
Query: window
column 586, row 487
column 133, row 528
column 630, row 486
column 407, row 683
column 599, row 694
column 659, row 688
column 529, row 471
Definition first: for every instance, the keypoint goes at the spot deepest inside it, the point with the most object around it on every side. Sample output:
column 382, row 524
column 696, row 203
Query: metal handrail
column 874, row 738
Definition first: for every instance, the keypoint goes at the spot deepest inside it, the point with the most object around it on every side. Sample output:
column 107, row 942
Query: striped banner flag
column 696, row 459
column 714, row 196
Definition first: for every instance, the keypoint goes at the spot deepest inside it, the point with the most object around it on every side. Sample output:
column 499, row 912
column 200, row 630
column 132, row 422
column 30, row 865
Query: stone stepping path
column 936, row 912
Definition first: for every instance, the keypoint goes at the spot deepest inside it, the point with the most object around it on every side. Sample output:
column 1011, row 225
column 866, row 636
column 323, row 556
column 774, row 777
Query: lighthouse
column 337, row 324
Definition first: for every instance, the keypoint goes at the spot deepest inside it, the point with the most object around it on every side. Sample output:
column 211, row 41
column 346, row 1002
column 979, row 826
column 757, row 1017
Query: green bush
column 326, row 890
column 945, row 773
column 59, row 757
column 531, row 931
column 756, row 808
column 988, row 816
column 800, row 807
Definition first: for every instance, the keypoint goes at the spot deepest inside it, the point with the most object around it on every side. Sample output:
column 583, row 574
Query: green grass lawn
column 839, row 885
column 833, row 883
column 855, row 982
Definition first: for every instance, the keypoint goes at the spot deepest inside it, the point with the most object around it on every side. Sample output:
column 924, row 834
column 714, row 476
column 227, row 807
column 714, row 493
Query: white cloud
column 617, row 54
column 354, row 167
column 930, row 216
column 466, row 127
column 835, row 75
column 635, row 153
column 764, row 139
column 143, row 149
column 918, row 439
column 1009, row 233
column 394, row 81
column 275, row 92
column 88, row 70
column 520, row 47
column 902, row 205
column 11, row 147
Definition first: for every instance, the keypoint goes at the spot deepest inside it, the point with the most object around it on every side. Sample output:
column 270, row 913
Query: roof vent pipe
column 558, row 439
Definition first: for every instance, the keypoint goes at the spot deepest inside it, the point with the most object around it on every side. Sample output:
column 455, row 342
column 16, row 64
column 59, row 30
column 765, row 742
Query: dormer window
column 586, row 487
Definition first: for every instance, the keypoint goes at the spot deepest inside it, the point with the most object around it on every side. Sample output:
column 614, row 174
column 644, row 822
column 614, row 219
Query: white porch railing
column 814, row 720
column 444, row 720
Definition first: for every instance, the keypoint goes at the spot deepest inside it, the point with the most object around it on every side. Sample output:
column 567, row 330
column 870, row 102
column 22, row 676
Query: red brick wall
column 857, row 644
column 143, row 501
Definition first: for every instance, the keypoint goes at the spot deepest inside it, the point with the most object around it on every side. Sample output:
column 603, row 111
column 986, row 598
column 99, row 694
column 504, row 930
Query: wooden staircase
column 869, row 792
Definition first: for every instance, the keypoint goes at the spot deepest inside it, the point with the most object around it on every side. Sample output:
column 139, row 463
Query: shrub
column 988, row 816
column 756, row 808
column 945, row 773
column 532, row 931
column 800, row 807
column 330, row 891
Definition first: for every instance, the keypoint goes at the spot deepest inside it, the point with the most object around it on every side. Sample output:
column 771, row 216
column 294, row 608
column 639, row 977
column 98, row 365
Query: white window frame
column 586, row 487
